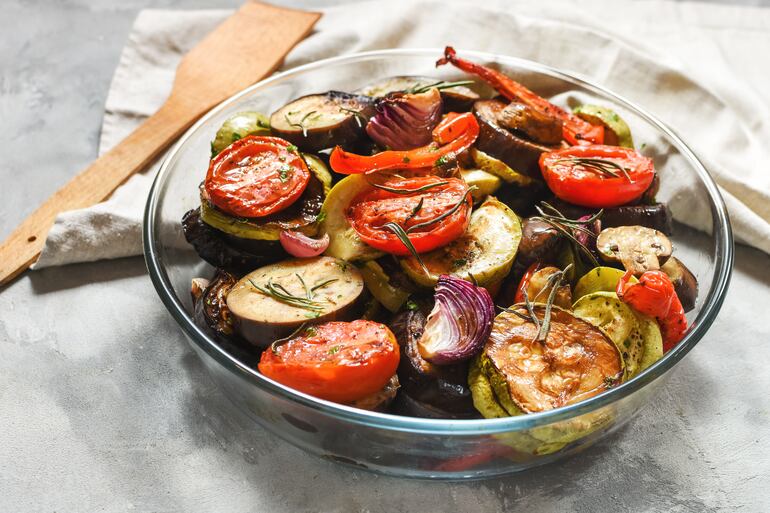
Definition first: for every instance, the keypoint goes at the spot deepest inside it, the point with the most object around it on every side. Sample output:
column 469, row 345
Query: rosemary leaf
column 404, row 238
column 445, row 214
column 407, row 191
column 279, row 342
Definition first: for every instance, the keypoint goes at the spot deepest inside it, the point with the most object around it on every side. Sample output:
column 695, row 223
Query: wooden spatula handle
column 90, row 186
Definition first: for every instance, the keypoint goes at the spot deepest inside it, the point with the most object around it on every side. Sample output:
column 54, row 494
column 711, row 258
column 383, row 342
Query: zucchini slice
column 485, row 183
column 498, row 168
column 378, row 283
column 617, row 131
column 599, row 279
column 485, row 252
column 344, row 242
column 637, row 337
column 237, row 127
column 302, row 215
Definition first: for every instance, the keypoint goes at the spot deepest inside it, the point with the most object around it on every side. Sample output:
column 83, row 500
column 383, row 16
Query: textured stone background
column 104, row 408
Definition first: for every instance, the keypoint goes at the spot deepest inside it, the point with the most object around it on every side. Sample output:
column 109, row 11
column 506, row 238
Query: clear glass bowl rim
column 723, row 240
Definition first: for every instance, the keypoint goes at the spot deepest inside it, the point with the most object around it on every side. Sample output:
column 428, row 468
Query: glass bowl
column 409, row 446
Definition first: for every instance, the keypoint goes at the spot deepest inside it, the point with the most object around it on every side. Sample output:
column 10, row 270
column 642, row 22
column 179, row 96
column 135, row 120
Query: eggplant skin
column 222, row 250
column 656, row 216
column 519, row 154
column 443, row 388
column 210, row 309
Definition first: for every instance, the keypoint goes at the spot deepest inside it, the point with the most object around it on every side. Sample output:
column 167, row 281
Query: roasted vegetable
column 439, row 388
column 379, row 284
column 452, row 136
column 220, row 250
column 455, row 95
column 338, row 361
column 301, row 216
column 654, row 295
column 576, row 361
column 534, row 125
column 481, row 183
column 575, row 130
column 379, row 400
column 320, row 121
column 210, row 307
column 299, row 245
column 539, row 242
column 411, row 215
column 459, row 324
column 538, row 285
column 484, row 253
column 273, row 301
column 237, row 127
column 597, row 176
column 498, row 168
column 639, row 249
column 517, row 153
column 616, row 131
column 598, row 279
column 405, row 121
column 656, row 216
column 685, row 283
column 637, row 336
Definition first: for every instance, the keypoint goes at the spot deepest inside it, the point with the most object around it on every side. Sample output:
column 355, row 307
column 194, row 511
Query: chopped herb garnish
column 283, row 173
column 406, row 160
column 412, row 305
column 459, row 262
column 443, row 159
column 235, row 136
column 291, row 148
column 334, row 349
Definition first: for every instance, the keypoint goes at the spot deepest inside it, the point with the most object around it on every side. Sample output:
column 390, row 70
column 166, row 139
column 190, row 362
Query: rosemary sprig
column 597, row 165
column 414, row 211
column 441, row 84
column 407, row 191
column 279, row 342
column 279, row 293
column 356, row 114
column 404, row 238
column 308, row 294
column 301, row 124
column 322, row 284
column 445, row 214
column 564, row 226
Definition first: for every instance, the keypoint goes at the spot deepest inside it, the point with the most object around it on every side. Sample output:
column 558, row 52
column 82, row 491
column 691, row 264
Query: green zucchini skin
column 484, row 253
column 237, row 127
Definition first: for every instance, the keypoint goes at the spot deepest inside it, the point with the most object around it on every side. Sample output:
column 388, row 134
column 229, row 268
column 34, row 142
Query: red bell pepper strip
column 575, row 130
column 524, row 283
column 654, row 295
column 456, row 132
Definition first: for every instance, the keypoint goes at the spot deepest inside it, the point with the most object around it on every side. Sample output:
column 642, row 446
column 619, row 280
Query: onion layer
column 459, row 324
column 405, row 121
column 299, row 245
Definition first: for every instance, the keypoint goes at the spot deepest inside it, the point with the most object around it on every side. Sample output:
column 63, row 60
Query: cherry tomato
column 597, row 176
column 336, row 361
column 524, row 283
column 412, row 203
column 576, row 130
column 256, row 176
column 456, row 133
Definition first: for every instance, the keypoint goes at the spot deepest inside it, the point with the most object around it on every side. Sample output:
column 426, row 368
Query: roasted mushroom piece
column 534, row 125
column 638, row 248
column 685, row 283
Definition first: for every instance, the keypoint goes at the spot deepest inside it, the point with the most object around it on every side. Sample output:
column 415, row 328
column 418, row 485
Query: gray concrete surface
column 104, row 408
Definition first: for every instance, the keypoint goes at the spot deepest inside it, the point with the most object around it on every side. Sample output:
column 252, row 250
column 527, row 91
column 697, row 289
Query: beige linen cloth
column 701, row 68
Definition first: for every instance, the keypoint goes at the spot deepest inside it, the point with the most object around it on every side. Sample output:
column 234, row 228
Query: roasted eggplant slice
column 518, row 153
column 485, row 252
column 456, row 99
column 539, row 242
column 533, row 125
column 576, row 361
column 320, row 121
column 443, row 387
column 685, row 283
column 210, row 308
column 638, row 248
column 271, row 302
column 656, row 216
column 220, row 250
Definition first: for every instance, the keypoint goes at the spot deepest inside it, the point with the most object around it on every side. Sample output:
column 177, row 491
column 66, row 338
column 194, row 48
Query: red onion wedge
column 299, row 245
column 459, row 324
column 405, row 121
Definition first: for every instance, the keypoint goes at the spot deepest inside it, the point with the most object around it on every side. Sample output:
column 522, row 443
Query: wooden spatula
column 245, row 48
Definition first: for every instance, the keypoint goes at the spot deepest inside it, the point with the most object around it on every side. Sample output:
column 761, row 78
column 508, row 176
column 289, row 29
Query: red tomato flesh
column 336, row 361
column 256, row 176
column 575, row 175
column 370, row 211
